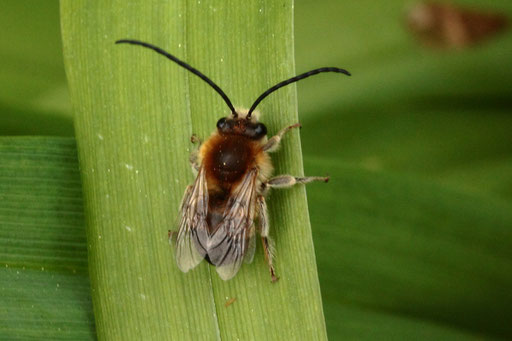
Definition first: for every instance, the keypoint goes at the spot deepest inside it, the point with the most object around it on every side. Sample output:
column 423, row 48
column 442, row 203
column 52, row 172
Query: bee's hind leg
column 281, row 181
column 268, row 243
column 284, row 181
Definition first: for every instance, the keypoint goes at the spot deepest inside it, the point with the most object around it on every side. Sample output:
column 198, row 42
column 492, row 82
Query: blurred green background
column 413, row 234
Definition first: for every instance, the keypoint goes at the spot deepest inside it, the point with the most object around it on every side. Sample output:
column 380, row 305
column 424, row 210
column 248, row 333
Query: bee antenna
column 186, row 66
column 292, row 80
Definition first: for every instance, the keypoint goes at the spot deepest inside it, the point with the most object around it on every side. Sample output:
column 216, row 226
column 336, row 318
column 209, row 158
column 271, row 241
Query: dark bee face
column 241, row 126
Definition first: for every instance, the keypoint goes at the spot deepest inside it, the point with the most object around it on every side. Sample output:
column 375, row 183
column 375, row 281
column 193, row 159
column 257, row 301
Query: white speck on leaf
column 100, row 136
column 128, row 228
column 129, row 167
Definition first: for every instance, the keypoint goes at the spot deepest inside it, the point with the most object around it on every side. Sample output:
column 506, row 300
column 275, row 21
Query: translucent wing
column 193, row 229
column 231, row 242
column 251, row 248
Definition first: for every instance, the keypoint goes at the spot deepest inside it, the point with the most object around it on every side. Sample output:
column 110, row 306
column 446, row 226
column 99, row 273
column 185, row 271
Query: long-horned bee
column 225, row 206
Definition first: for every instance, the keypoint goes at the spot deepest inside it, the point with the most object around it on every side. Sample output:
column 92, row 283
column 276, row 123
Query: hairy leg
column 284, row 181
column 268, row 244
column 273, row 143
column 193, row 155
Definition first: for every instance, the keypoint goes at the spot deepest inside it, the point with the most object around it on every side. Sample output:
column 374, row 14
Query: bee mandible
column 225, row 206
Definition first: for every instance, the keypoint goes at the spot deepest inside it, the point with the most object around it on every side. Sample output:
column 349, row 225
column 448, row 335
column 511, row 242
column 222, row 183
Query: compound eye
column 260, row 130
column 222, row 124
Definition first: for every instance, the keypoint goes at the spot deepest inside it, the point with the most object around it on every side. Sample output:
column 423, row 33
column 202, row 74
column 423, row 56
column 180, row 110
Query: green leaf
column 34, row 98
column 413, row 250
column 440, row 114
column 135, row 112
column 44, row 284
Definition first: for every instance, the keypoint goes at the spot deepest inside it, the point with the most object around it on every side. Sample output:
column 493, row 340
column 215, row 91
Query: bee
column 225, row 206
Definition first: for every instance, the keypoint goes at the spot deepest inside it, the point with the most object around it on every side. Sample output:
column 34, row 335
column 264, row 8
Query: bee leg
column 284, row 181
column 195, row 139
column 268, row 244
column 273, row 143
column 193, row 161
column 193, row 155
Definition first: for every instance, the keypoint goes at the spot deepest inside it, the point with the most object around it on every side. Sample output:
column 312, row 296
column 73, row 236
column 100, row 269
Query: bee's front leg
column 195, row 139
column 193, row 155
column 268, row 243
column 273, row 143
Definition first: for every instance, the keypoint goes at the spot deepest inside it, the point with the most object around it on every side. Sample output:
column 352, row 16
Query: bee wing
column 231, row 242
column 193, row 229
column 251, row 248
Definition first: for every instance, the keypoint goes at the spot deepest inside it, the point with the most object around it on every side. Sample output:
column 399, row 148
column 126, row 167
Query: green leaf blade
column 44, row 285
column 408, row 247
column 133, row 144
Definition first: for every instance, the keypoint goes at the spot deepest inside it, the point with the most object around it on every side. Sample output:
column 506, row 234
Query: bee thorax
column 229, row 159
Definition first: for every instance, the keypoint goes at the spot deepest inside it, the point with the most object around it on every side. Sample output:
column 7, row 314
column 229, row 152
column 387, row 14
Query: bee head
column 240, row 124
